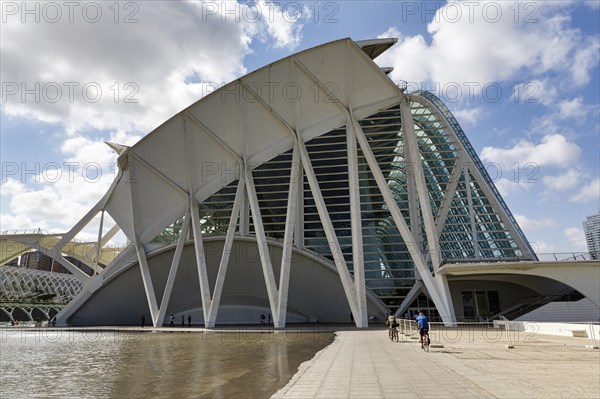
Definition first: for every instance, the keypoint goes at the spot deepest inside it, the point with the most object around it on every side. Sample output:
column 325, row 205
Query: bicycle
column 394, row 334
column 426, row 341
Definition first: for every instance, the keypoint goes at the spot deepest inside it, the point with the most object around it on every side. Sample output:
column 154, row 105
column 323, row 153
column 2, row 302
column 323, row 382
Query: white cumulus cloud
column 553, row 149
column 589, row 192
column 564, row 181
column 488, row 41
column 529, row 224
column 576, row 238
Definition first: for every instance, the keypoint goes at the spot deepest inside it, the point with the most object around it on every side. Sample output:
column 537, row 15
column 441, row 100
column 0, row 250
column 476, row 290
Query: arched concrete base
column 315, row 292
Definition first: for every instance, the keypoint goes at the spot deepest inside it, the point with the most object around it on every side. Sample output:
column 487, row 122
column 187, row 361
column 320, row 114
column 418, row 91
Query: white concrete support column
column 259, row 230
column 196, row 228
column 147, row 280
column 406, row 234
column 449, row 194
column 443, row 289
column 299, row 233
column 223, row 264
column 200, row 259
column 164, row 303
column 263, row 248
column 78, row 227
column 334, row 245
column 58, row 256
column 110, row 234
column 288, row 242
column 410, row 298
column 361, row 319
column 414, row 159
column 88, row 216
column 141, row 254
column 244, row 216
column 358, row 259
column 99, row 243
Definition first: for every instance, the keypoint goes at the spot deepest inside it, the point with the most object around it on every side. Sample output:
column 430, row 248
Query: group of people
column 172, row 321
column 263, row 319
column 422, row 326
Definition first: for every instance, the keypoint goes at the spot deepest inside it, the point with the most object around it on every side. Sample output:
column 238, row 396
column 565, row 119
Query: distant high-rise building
column 591, row 226
column 36, row 260
column 14, row 262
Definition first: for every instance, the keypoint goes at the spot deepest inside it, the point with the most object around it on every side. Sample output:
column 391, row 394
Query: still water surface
column 68, row 364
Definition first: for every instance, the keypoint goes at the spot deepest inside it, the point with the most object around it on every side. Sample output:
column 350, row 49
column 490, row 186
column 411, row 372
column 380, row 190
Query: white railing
column 504, row 332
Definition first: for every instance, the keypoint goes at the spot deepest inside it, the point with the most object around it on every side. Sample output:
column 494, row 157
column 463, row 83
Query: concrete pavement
column 365, row 364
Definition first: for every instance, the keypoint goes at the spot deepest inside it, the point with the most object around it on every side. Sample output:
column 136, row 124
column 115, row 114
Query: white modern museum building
column 314, row 189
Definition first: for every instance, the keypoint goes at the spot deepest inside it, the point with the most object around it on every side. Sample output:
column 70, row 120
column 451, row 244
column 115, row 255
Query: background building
column 591, row 226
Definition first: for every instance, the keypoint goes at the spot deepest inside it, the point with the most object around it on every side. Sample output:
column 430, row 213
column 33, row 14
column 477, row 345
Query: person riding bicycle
column 392, row 323
column 422, row 326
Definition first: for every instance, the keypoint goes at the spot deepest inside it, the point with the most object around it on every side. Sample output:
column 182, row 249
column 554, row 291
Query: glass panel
column 468, row 304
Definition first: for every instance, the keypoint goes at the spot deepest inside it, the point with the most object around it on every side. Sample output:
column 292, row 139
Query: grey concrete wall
column 315, row 290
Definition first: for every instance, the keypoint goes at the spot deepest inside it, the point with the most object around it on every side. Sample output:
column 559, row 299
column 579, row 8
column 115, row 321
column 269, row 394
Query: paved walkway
column 365, row 364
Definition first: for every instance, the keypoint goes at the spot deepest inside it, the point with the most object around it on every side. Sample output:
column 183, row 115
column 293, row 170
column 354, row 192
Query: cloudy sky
column 522, row 78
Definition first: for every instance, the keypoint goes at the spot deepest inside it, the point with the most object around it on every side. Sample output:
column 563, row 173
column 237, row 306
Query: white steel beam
column 141, row 255
column 220, row 281
column 288, row 242
column 147, row 279
column 414, row 159
column 358, row 258
column 405, row 232
column 525, row 248
column 361, row 319
column 474, row 240
column 259, row 230
column 410, row 298
column 261, row 241
column 195, row 220
column 99, row 243
column 449, row 193
column 164, row 303
column 200, row 259
column 334, row 245
column 88, row 216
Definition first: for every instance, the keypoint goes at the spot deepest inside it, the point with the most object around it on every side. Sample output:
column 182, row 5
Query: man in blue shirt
column 422, row 326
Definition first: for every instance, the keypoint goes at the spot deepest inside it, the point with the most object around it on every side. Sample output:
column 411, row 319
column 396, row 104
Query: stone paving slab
column 365, row 364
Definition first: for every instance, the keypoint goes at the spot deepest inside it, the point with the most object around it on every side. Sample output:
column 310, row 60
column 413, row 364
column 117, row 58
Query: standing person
column 269, row 317
column 143, row 320
column 422, row 326
column 262, row 318
column 171, row 321
column 182, row 321
column 189, row 320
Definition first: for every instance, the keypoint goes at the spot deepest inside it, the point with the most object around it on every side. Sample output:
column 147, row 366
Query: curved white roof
column 247, row 122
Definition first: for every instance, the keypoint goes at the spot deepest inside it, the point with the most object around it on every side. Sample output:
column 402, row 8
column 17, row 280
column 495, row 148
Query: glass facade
column 468, row 223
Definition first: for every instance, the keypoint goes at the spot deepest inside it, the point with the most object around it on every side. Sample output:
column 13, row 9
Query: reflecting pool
column 69, row 364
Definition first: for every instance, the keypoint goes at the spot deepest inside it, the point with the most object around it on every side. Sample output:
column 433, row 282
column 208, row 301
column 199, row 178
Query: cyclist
column 392, row 323
column 423, row 327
